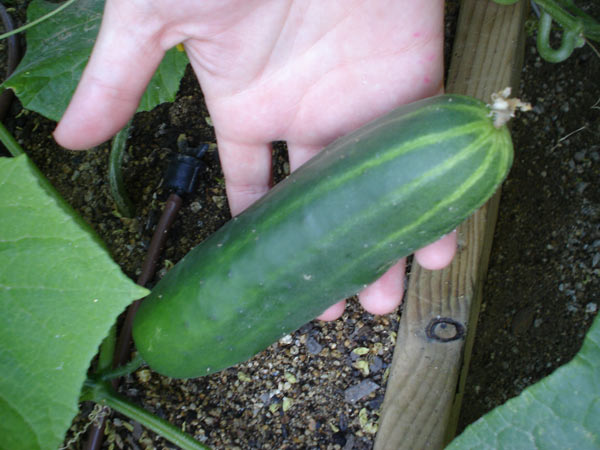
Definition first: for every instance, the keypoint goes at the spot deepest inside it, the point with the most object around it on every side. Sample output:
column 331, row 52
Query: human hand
column 305, row 72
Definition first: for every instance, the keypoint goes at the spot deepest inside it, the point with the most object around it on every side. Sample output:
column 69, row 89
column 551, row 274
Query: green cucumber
column 323, row 234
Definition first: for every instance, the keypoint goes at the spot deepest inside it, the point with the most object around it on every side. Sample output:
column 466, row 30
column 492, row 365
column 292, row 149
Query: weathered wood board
column 437, row 327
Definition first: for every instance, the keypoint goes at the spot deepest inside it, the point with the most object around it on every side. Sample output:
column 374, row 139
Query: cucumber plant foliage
column 561, row 411
column 60, row 292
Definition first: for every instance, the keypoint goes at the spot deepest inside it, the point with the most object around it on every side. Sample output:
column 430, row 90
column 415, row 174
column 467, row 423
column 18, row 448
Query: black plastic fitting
column 184, row 169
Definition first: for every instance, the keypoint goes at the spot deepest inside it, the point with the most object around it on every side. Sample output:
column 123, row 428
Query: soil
column 540, row 297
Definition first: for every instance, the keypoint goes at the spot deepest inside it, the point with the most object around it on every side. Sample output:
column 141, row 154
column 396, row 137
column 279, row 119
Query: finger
column 120, row 67
column 299, row 154
column 334, row 312
column 385, row 294
column 439, row 254
column 247, row 170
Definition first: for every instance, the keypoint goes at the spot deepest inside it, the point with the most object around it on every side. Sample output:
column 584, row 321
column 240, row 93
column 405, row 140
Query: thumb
column 125, row 56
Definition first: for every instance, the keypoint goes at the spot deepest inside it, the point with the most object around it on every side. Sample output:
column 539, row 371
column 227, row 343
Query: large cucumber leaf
column 561, row 411
column 60, row 292
column 57, row 52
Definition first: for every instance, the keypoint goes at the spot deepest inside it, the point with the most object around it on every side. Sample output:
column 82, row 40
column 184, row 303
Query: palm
column 326, row 78
column 311, row 79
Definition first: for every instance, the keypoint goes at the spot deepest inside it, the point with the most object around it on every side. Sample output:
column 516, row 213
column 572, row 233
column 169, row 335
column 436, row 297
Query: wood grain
column 425, row 386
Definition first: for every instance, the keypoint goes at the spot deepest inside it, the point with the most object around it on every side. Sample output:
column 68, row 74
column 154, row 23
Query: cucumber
column 323, row 234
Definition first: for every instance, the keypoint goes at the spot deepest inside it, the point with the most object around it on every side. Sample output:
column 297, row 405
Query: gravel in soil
column 322, row 387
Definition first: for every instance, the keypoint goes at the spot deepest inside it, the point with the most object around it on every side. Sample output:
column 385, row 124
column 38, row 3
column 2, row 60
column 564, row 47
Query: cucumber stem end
column 503, row 107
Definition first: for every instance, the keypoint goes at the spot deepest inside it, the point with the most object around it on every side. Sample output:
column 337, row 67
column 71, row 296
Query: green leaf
column 60, row 292
column 561, row 411
column 165, row 83
column 58, row 50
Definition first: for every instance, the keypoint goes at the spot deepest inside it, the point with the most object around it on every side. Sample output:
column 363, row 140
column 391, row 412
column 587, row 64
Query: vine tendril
column 571, row 38
column 578, row 27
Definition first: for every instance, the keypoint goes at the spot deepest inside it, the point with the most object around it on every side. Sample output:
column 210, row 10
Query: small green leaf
column 560, row 411
column 360, row 351
column 165, row 83
column 368, row 426
column 362, row 366
column 58, row 50
column 60, row 293
column 274, row 407
column 243, row 377
column 287, row 403
column 290, row 377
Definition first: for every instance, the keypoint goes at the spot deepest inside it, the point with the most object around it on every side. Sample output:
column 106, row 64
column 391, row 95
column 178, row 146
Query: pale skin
column 302, row 71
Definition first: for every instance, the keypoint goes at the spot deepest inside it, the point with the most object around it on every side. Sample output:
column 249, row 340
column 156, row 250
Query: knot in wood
column 445, row 329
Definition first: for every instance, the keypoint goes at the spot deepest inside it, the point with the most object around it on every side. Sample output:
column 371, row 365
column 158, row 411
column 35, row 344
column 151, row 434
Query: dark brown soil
column 540, row 297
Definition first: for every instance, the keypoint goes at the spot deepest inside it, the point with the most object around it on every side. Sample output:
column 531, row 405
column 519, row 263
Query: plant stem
column 12, row 61
column 101, row 392
column 115, row 174
column 567, row 21
column 123, row 370
column 10, row 142
column 38, row 20
column 107, row 350
column 591, row 28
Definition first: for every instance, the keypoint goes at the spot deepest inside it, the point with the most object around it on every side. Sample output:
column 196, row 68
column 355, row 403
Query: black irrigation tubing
column 14, row 56
column 181, row 179
column 121, row 356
